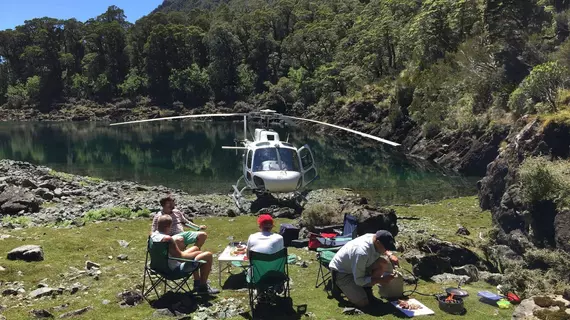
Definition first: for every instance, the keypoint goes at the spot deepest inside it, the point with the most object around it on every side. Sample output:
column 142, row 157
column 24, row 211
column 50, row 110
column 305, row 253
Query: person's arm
column 393, row 258
column 189, row 223
column 154, row 226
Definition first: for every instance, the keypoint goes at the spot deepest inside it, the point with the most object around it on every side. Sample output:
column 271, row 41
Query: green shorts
column 189, row 237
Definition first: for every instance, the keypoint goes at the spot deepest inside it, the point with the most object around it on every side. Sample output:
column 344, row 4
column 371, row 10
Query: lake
column 188, row 155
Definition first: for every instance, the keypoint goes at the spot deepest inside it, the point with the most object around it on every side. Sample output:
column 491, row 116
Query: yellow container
column 504, row 304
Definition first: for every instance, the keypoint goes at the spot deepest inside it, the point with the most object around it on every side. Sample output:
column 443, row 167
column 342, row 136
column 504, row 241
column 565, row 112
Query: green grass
column 116, row 212
column 62, row 175
column 18, row 221
column 65, row 248
column 560, row 117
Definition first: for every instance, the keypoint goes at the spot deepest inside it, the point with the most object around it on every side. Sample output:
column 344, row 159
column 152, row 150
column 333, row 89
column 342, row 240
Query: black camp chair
column 157, row 274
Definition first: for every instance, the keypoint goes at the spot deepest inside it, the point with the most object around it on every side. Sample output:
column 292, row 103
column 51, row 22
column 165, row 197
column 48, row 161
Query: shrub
column 16, row 96
column 543, row 180
column 320, row 215
column 19, row 221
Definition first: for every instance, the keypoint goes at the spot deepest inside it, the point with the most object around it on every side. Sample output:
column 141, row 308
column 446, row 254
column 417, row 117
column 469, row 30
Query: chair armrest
column 333, row 249
column 192, row 227
column 186, row 260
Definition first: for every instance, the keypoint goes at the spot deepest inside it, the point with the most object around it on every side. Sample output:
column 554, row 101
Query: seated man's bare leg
column 206, row 267
column 202, row 236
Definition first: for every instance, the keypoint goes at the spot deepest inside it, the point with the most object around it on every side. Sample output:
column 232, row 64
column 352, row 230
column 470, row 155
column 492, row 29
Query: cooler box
column 289, row 233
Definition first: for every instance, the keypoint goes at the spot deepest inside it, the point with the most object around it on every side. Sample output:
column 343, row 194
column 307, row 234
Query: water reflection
column 188, row 155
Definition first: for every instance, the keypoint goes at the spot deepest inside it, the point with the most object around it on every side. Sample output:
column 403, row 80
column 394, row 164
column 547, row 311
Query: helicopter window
column 289, row 159
column 266, row 159
column 249, row 158
column 306, row 159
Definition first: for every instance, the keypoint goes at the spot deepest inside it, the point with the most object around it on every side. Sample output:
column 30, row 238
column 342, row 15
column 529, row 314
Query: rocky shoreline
column 39, row 195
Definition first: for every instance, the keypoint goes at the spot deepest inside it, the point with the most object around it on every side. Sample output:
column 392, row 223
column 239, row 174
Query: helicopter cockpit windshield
column 275, row 159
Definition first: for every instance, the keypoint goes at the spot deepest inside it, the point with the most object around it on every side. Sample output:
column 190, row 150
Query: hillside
column 187, row 5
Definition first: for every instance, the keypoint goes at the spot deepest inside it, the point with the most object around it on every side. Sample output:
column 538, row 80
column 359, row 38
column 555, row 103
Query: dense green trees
column 445, row 63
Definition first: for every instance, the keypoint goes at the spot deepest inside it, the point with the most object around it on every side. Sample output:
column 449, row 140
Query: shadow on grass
column 282, row 309
column 235, row 282
column 181, row 303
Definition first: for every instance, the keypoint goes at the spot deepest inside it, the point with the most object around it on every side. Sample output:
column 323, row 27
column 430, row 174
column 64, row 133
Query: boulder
column 430, row 265
column 165, row 312
column 371, row 219
column 40, row 314
column 76, row 312
column 15, row 199
column 519, row 242
column 545, row 307
column 48, row 185
column 27, row 183
column 469, row 270
column 502, row 255
column 27, row 253
column 562, row 230
column 450, row 278
column 457, row 255
column 130, row 298
column 462, row 231
column 122, row 257
column 44, row 292
column 91, row 265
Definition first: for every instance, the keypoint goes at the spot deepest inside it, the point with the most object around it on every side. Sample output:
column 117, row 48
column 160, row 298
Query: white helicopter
column 270, row 165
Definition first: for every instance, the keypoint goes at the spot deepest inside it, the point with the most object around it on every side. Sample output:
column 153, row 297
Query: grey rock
column 122, row 257
column 351, row 311
column 41, row 314
column 91, row 265
column 462, row 231
column 44, row 292
column 76, row 287
column 58, row 192
column 76, row 312
column 2, row 317
column 2, row 269
column 15, row 199
column 468, row 270
column 42, row 285
column 105, row 302
column 9, row 292
column 123, row 243
column 450, row 278
column 163, row 313
column 27, row 253
column 48, row 185
column 457, row 255
column 525, row 310
column 27, row 183
column 130, row 298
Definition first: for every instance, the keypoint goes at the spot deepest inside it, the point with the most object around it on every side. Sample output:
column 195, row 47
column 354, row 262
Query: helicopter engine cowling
column 277, row 181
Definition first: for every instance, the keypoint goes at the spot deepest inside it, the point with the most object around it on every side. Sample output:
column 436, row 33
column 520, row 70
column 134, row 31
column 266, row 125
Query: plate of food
column 412, row 307
column 238, row 250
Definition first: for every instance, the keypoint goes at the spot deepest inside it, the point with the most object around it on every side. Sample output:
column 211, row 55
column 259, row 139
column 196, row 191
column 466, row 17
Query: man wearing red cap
column 265, row 241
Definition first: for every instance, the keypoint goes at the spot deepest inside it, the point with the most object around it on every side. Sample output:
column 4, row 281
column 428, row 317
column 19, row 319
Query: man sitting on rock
column 182, row 238
column 361, row 263
column 162, row 234
column 265, row 241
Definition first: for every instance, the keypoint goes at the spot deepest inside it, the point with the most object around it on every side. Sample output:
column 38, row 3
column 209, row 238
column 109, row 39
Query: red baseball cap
column 264, row 218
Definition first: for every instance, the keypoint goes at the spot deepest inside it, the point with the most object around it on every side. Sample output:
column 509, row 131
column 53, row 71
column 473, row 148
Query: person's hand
column 385, row 279
column 203, row 227
column 394, row 260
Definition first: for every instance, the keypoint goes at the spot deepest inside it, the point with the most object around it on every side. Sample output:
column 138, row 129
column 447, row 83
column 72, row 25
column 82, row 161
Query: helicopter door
column 308, row 168
column 247, row 167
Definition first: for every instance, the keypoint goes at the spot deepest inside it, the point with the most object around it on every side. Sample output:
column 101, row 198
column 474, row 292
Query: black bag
column 289, row 233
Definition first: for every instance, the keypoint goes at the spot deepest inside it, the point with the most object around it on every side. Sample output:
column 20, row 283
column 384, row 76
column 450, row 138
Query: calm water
column 188, row 155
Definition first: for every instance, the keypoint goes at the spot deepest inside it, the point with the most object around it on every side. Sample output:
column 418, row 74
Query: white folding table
column 227, row 258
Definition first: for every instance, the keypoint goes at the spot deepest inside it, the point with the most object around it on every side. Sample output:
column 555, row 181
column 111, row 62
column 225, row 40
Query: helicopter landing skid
column 237, row 195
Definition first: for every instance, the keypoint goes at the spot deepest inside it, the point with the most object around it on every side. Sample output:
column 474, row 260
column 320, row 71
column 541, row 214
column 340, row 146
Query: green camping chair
column 158, row 275
column 324, row 274
column 267, row 273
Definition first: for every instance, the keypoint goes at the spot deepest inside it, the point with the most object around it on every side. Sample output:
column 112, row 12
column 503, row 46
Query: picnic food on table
column 239, row 249
column 408, row 306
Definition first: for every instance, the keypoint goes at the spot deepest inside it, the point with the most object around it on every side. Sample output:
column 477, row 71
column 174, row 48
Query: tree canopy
column 444, row 63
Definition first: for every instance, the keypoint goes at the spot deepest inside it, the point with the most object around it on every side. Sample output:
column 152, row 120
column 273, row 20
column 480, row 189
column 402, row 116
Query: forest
column 445, row 64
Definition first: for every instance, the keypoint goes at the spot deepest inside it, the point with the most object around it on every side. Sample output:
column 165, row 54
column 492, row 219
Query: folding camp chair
column 158, row 274
column 338, row 238
column 324, row 274
column 268, row 273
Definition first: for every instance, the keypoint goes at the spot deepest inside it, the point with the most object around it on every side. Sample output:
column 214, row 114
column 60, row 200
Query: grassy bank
column 98, row 242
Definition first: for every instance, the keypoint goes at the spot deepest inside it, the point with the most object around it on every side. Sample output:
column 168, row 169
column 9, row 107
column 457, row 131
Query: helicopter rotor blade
column 183, row 117
column 366, row 135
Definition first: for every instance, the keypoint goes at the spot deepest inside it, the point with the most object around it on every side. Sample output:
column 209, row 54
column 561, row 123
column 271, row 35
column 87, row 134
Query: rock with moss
column 27, row 253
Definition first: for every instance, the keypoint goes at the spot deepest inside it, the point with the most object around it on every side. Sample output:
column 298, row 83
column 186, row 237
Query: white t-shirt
column 265, row 242
column 157, row 237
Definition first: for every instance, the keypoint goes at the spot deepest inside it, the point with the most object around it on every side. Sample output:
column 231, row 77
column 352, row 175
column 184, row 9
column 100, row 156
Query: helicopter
column 270, row 165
